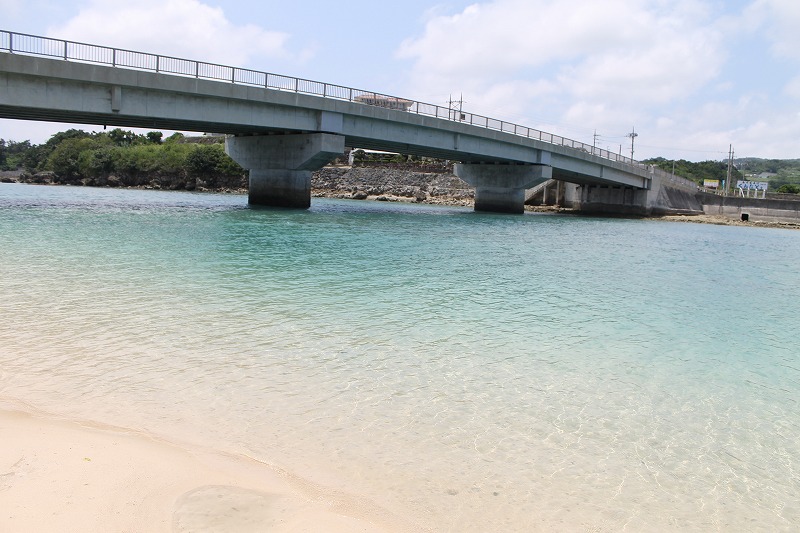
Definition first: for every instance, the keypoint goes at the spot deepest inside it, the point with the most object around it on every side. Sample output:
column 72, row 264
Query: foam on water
column 472, row 372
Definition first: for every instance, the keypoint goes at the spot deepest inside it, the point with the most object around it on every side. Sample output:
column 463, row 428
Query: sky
column 690, row 77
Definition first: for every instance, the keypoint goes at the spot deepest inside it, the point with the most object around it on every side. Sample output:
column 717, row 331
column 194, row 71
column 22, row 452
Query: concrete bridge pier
column 280, row 165
column 500, row 188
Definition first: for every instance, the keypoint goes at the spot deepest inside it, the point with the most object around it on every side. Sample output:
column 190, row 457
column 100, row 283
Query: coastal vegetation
column 123, row 158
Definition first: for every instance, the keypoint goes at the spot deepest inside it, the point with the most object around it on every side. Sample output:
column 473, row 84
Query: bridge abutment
column 281, row 165
column 500, row 188
column 664, row 196
column 605, row 199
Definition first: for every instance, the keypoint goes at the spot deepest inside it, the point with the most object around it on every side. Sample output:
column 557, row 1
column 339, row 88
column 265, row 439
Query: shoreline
column 448, row 193
column 719, row 220
column 91, row 477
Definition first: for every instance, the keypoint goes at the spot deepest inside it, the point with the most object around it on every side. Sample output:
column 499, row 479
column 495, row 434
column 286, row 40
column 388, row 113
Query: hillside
column 783, row 175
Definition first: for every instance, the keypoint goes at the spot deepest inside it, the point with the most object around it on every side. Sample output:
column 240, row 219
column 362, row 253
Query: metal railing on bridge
column 21, row 43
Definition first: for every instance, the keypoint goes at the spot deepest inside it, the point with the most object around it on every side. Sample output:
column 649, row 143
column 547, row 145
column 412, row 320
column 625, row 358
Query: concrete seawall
column 768, row 210
column 674, row 201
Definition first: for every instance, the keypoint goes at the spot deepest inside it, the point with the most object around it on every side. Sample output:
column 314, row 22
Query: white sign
column 752, row 185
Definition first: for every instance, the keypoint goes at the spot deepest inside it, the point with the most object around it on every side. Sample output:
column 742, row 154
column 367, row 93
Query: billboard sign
column 752, row 185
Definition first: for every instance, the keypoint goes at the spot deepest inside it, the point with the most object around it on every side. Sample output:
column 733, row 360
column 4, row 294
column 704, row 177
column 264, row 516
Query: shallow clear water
column 469, row 372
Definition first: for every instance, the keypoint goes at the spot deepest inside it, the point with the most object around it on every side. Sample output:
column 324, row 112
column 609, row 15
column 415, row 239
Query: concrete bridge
column 282, row 128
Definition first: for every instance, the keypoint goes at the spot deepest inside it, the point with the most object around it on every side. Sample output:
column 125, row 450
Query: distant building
column 389, row 102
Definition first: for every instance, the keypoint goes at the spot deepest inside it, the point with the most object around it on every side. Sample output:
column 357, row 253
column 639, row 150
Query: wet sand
column 67, row 476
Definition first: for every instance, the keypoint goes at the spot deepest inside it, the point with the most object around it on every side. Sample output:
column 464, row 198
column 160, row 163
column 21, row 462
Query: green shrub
column 65, row 159
column 210, row 159
column 789, row 188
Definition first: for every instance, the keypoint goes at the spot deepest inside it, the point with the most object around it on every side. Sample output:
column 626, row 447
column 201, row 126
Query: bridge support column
column 280, row 165
column 500, row 188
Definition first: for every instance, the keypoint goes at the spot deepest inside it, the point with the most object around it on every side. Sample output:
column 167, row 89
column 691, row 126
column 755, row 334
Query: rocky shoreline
column 386, row 184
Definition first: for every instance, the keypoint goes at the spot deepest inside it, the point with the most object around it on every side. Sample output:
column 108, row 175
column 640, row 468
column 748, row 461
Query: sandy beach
column 58, row 475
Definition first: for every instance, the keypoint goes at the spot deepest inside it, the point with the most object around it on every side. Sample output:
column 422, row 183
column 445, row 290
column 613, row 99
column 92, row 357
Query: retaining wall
column 767, row 210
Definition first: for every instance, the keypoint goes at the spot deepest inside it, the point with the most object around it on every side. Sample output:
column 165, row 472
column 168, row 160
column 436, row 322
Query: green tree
column 97, row 161
column 174, row 157
column 204, row 160
column 227, row 166
column 121, row 137
column 32, row 159
column 37, row 157
column 175, row 138
column 65, row 160
column 789, row 189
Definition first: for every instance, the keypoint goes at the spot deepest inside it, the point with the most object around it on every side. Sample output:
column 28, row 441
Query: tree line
column 697, row 172
column 132, row 159
column 785, row 180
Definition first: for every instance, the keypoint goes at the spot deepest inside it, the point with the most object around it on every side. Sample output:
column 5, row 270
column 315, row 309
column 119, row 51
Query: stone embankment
column 387, row 184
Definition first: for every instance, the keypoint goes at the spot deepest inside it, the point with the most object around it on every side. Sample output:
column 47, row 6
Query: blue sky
column 691, row 76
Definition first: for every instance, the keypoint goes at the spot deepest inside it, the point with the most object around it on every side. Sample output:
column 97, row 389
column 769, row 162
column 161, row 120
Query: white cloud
column 677, row 70
column 589, row 60
column 182, row 28
column 505, row 35
column 792, row 89
column 751, row 123
column 779, row 21
column 667, row 67
column 10, row 7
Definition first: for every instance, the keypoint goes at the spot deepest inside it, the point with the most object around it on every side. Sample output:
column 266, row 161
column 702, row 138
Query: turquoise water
column 467, row 372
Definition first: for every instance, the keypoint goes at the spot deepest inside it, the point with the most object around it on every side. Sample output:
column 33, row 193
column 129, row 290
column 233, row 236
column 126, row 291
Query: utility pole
column 451, row 104
column 730, row 170
column 594, row 140
column 632, row 135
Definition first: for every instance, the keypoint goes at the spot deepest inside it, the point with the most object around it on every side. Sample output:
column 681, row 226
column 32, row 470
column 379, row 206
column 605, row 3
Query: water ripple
column 479, row 372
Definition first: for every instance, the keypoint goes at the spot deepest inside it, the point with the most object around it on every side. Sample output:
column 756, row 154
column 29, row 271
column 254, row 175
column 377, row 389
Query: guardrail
column 21, row 43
